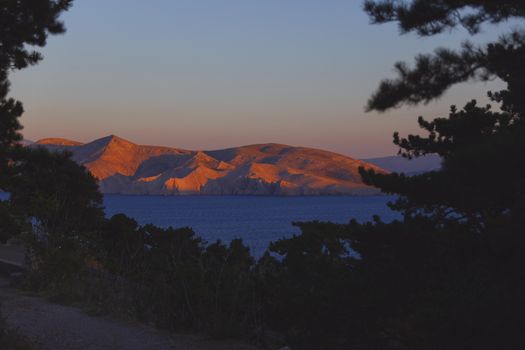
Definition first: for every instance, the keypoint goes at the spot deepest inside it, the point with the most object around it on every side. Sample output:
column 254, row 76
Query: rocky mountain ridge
column 124, row 167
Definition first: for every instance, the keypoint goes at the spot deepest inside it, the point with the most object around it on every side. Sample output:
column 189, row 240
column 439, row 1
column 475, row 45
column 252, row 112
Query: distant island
column 123, row 167
column 412, row 166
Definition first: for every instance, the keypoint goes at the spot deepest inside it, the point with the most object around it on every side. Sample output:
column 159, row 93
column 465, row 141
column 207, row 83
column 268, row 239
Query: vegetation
column 173, row 279
column 448, row 276
column 23, row 24
column 59, row 208
column 434, row 73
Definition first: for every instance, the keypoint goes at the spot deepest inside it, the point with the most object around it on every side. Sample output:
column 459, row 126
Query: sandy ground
column 58, row 327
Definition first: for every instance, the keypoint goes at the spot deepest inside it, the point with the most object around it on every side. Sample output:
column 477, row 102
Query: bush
column 8, row 225
column 412, row 285
column 173, row 279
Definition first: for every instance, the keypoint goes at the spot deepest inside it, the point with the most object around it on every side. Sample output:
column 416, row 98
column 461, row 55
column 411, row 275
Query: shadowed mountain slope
column 413, row 166
column 265, row 169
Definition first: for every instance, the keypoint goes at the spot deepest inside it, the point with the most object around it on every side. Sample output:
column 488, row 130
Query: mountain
column 413, row 166
column 25, row 142
column 124, row 167
column 59, row 142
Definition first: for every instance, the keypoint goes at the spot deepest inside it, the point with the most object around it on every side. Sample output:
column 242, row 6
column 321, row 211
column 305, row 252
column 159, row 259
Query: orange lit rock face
column 267, row 169
column 59, row 142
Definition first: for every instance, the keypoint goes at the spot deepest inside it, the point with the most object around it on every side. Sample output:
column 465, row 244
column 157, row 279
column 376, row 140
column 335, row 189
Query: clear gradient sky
column 207, row 74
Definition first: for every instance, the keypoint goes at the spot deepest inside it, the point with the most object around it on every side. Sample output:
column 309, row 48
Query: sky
column 209, row 74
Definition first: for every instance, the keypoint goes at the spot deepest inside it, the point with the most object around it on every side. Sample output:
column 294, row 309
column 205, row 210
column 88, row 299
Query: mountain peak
column 57, row 141
column 114, row 139
column 266, row 169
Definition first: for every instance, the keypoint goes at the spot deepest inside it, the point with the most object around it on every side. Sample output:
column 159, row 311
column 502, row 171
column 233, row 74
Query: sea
column 258, row 220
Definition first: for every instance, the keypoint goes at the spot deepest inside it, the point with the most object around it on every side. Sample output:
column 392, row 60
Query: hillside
column 413, row 166
column 264, row 169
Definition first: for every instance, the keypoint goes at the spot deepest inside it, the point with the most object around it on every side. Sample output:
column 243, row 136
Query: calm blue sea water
column 257, row 220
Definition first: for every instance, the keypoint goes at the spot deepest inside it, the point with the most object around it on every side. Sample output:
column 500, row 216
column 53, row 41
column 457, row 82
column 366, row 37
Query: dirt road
column 58, row 327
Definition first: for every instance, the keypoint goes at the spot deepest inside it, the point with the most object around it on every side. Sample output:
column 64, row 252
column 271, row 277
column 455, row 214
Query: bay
column 258, row 220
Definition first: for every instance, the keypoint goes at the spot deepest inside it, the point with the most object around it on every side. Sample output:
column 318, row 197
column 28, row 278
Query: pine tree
column 482, row 148
column 23, row 24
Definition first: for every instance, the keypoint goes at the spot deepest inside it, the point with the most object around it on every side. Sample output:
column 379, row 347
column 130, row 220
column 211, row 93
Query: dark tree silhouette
column 432, row 17
column 434, row 73
column 57, row 203
column 467, row 217
column 449, row 275
column 8, row 225
column 481, row 148
column 58, row 195
column 23, row 24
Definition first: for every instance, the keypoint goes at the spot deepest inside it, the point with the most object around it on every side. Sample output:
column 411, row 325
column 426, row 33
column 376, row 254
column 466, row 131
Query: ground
column 12, row 254
column 57, row 327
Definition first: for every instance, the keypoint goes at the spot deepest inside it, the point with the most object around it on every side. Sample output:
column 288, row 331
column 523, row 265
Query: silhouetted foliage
column 60, row 196
column 23, row 24
column 308, row 293
column 481, row 149
column 165, row 276
column 40, row 191
column 174, row 279
column 408, row 284
column 208, row 286
column 448, row 276
column 433, row 74
column 10, row 111
column 120, row 245
column 8, row 224
column 433, row 17
column 59, row 202
column 482, row 171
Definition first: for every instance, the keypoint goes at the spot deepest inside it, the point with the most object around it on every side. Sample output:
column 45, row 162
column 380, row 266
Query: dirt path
column 13, row 254
column 58, row 327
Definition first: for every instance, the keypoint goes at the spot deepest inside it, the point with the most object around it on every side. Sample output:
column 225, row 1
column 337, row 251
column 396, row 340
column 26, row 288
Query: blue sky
column 205, row 74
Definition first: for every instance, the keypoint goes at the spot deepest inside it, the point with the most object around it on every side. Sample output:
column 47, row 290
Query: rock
column 123, row 167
